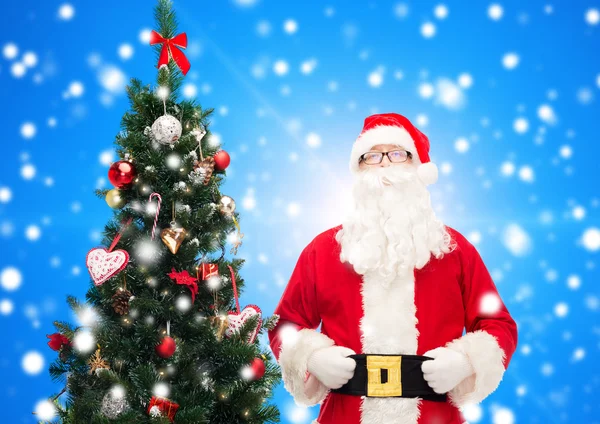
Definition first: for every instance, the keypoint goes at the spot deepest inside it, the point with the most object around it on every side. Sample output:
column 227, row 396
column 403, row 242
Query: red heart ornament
column 236, row 320
column 103, row 264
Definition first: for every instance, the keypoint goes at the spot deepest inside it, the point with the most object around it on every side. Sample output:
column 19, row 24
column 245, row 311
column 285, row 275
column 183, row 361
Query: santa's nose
column 385, row 162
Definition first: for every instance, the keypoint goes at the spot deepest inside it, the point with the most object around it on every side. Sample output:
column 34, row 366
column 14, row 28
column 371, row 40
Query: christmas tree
column 161, row 336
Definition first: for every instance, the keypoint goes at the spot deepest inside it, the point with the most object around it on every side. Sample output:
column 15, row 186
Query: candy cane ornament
column 157, row 211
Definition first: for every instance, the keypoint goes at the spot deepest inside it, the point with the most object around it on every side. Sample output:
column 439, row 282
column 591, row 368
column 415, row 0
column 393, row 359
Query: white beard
column 392, row 229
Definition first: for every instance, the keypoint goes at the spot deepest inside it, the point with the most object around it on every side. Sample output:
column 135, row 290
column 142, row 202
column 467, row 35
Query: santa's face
column 392, row 228
column 398, row 156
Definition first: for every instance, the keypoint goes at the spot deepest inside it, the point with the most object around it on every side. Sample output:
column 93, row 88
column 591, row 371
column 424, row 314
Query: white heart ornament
column 236, row 320
column 103, row 264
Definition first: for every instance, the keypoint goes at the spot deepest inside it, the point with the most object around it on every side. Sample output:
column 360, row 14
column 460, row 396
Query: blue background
column 527, row 199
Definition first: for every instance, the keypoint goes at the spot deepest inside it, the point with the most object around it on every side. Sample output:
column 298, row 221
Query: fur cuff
column 487, row 358
column 293, row 360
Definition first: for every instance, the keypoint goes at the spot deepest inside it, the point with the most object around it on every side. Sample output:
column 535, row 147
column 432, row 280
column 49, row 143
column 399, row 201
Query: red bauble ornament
column 121, row 173
column 222, row 160
column 166, row 348
column 258, row 368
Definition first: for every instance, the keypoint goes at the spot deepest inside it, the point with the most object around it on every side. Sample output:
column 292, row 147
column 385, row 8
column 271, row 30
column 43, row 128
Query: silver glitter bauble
column 166, row 129
column 113, row 406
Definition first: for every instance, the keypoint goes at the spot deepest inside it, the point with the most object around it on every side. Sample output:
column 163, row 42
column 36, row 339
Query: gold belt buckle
column 393, row 386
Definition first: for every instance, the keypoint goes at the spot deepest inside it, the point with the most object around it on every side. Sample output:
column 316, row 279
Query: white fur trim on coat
column 487, row 358
column 293, row 360
column 389, row 325
column 382, row 134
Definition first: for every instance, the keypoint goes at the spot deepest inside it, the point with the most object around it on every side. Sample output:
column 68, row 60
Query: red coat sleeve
column 298, row 304
column 295, row 337
column 491, row 332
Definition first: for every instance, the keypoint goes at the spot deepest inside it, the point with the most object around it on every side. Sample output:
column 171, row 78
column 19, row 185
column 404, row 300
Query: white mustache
column 386, row 177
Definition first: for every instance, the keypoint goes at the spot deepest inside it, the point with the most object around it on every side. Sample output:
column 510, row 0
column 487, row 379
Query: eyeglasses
column 395, row 156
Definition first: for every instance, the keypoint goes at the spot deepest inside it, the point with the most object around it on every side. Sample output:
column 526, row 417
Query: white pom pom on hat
column 392, row 128
column 428, row 173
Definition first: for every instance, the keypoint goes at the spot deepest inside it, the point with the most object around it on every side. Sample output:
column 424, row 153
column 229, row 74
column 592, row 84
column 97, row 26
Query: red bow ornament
column 170, row 48
column 185, row 279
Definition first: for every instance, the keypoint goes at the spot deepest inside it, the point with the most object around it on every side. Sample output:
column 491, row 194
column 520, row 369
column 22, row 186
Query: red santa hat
column 392, row 128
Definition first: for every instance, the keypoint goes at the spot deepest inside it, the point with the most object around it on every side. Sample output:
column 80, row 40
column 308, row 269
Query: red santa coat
column 412, row 315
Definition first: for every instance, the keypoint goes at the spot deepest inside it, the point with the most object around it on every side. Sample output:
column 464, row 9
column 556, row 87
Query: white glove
column 331, row 366
column 446, row 370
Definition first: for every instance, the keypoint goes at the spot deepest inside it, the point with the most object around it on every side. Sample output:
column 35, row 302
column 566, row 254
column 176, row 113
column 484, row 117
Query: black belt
column 389, row 376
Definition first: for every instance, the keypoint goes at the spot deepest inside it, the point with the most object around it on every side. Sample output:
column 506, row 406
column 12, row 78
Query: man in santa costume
column 393, row 288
